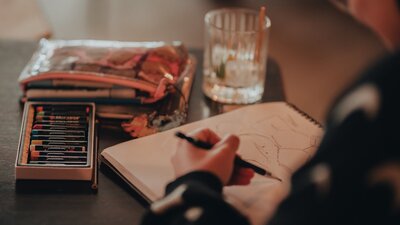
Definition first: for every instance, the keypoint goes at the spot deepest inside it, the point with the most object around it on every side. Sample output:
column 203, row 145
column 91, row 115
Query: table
column 114, row 203
column 319, row 48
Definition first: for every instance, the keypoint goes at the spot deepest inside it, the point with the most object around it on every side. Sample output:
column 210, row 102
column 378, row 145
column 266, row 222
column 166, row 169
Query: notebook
column 275, row 136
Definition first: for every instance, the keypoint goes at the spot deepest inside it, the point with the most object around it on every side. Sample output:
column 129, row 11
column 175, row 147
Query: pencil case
column 57, row 145
column 139, row 72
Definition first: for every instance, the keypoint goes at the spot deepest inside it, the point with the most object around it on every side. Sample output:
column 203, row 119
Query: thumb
column 228, row 146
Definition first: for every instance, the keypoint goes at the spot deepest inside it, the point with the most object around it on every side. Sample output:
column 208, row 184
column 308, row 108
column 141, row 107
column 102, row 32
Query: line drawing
column 277, row 140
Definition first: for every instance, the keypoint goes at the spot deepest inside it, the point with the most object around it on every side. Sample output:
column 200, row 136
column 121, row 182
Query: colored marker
column 53, row 142
column 35, row 155
column 34, row 147
column 58, row 137
column 57, row 153
column 59, row 127
column 58, row 132
column 61, row 113
column 61, row 122
column 46, row 162
column 68, row 118
column 58, row 158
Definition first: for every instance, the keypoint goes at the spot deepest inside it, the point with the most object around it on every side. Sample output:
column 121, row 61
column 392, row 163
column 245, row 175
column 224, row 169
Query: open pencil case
column 103, row 71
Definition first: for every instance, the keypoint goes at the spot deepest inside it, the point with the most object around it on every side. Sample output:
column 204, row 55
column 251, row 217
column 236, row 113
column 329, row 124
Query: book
column 275, row 136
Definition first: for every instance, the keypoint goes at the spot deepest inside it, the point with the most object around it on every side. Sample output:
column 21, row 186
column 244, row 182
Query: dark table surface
column 114, row 202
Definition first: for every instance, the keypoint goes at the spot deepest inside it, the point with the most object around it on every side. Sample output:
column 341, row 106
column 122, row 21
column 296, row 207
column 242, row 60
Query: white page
column 272, row 135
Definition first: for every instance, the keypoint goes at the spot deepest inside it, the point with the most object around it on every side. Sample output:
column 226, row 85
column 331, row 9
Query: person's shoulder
column 377, row 86
column 384, row 70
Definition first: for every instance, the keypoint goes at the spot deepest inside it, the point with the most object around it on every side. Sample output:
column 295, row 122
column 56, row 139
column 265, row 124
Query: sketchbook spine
column 304, row 114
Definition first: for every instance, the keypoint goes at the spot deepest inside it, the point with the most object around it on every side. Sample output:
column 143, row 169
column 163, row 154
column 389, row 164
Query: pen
column 238, row 161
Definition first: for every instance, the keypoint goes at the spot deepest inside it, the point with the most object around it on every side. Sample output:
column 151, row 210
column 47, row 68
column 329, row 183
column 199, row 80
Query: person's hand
column 218, row 161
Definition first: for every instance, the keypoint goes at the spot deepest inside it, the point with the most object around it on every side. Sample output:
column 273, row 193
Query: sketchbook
column 275, row 136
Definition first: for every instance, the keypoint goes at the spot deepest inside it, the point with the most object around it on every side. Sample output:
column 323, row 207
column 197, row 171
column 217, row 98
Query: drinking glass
column 235, row 55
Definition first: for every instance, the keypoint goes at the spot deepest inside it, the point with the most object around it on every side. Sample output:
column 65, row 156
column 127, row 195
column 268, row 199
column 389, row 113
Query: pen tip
column 277, row 178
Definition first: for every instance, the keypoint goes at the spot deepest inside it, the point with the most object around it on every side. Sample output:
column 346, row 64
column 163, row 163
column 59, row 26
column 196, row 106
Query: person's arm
column 195, row 197
column 354, row 176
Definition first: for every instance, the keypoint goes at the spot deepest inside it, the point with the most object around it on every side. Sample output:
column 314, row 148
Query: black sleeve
column 354, row 177
column 194, row 198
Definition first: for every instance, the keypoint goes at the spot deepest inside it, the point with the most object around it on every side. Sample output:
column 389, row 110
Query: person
column 381, row 16
column 357, row 162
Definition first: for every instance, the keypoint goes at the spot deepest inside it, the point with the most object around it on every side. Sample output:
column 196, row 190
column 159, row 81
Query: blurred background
column 319, row 48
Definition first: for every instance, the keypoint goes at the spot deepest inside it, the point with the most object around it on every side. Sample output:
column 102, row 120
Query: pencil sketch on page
column 278, row 143
column 275, row 142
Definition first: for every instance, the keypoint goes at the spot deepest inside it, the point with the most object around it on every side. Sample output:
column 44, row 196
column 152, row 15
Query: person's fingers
column 242, row 181
column 247, row 172
column 228, row 146
column 242, row 173
column 206, row 135
column 184, row 147
column 241, row 176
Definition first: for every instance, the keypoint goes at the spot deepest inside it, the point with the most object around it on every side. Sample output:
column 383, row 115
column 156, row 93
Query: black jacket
column 358, row 163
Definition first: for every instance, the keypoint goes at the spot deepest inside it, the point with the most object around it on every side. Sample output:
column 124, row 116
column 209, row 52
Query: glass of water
column 235, row 55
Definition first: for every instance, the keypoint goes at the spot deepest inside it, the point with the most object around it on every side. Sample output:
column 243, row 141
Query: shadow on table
column 110, row 174
column 54, row 187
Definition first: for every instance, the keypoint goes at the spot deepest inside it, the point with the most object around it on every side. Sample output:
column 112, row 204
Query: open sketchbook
column 275, row 136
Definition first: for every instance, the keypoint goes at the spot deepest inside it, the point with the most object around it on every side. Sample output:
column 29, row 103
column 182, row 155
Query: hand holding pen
column 191, row 156
column 218, row 161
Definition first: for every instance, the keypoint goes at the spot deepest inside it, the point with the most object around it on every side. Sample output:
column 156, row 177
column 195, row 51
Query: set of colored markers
column 59, row 135
column 57, row 142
